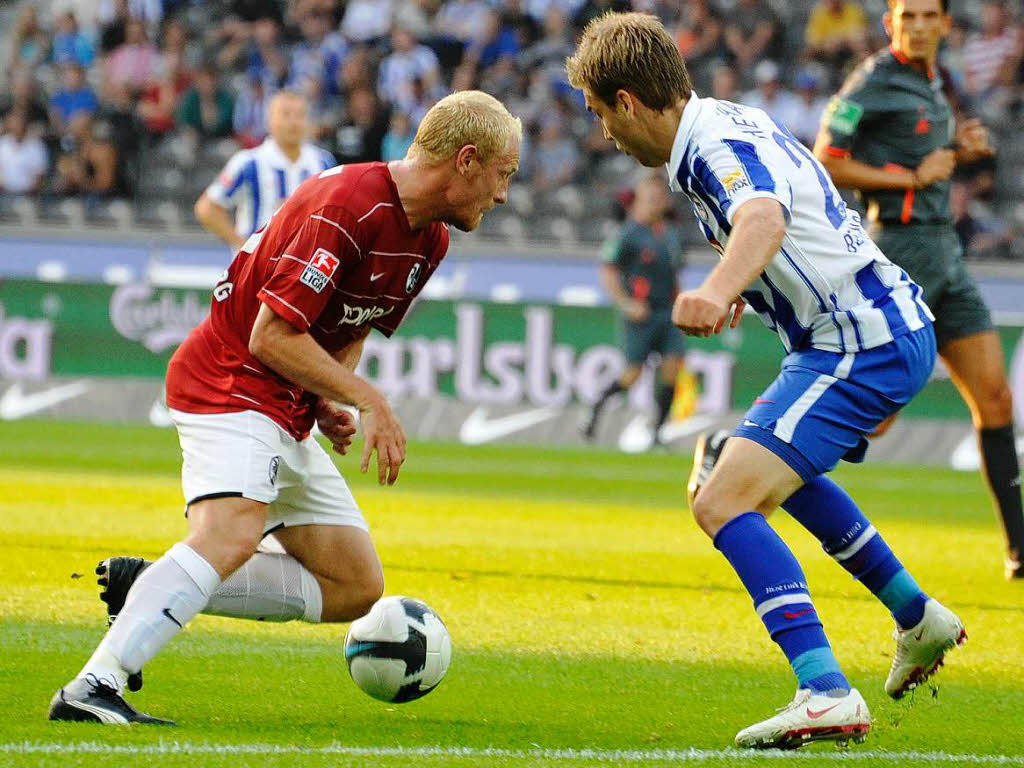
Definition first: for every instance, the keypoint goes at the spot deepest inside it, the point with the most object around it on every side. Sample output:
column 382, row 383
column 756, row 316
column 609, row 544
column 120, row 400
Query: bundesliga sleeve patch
column 321, row 267
column 735, row 182
column 843, row 116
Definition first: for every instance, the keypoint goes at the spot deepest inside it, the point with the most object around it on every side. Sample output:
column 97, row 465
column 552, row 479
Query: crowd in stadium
column 144, row 99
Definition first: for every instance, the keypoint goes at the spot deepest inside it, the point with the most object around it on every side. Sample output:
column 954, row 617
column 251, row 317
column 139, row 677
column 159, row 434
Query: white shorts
column 248, row 454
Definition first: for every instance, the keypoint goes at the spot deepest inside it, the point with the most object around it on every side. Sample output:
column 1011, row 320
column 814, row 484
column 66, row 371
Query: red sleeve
column 311, row 266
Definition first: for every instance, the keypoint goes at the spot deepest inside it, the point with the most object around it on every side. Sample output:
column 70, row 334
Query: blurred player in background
column 349, row 251
column 256, row 181
column 891, row 134
column 859, row 344
column 639, row 274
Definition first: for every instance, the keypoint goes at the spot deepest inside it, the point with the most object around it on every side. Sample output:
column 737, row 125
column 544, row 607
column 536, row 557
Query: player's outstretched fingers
column 397, row 458
column 368, row 446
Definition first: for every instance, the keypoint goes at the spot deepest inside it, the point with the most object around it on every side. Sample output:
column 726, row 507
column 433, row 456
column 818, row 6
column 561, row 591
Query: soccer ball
column 399, row 651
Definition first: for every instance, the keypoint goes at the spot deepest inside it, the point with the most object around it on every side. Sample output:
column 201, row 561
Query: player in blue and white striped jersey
column 859, row 344
column 256, row 181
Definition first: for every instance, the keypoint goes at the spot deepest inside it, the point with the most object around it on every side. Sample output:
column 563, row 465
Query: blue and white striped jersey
column 256, row 181
column 829, row 287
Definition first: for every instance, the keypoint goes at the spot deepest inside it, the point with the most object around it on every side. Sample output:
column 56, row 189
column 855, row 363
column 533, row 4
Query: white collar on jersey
column 690, row 113
column 271, row 148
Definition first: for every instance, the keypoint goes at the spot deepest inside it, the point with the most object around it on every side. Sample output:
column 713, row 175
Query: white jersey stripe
column 785, row 427
column 795, row 598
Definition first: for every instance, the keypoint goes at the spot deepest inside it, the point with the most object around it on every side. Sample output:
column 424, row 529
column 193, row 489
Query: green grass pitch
column 593, row 624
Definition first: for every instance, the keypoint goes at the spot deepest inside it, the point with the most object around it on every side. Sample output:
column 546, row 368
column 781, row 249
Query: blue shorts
column 823, row 404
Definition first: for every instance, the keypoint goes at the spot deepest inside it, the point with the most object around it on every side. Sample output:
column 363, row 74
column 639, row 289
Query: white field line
column 614, row 756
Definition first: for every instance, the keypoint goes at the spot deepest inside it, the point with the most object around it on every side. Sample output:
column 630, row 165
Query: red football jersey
column 338, row 255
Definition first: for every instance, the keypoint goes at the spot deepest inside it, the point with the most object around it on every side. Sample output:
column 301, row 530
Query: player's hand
column 700, row 313
column 382, row 433
column 972, row 141
column 337, row 424
column 937, row 165
column 733, row 316
column 637, row 311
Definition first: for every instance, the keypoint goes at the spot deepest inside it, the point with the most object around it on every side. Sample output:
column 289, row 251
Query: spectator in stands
column 318, row 54
column 72, row 97
column 113, row 26
column 136, row 62
column 499, row 41
column 725, row 83
column 463, row 22
column 360, row 136
column 982, row 234
column 23, row 159
column 837, row 31
column 29, row 44
column 159, row 100
column 752, row 31
column 88, row 161
column 367, row 21
column 176, row 40
column 550, row 51
column 324, row 109
column 699, row 39
column 538, row 9
column 409, row 62
column 206, row 107
column 811, row 104
column 556, row 159
column 415, row 15
column 356, row 72
column 991, row 56
column 69, row 44
column 249, row 118
column 25, row 96
column 591, row 9
column 771, row 96
column 399, row 137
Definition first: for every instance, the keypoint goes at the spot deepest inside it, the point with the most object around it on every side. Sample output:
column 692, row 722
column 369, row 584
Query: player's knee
column 368, row 592
column 996, row 404
column 707, row 513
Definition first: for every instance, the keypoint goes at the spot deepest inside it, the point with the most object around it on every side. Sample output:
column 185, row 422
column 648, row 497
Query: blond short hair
column 631, row 52
column 465, row 117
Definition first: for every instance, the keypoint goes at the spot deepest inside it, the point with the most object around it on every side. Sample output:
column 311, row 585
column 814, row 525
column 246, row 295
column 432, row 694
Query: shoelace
column 100, row 686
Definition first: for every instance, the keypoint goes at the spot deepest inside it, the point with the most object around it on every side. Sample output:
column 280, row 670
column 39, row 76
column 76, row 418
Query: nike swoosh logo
column 376, row 276
column 16, row 404
column 759, row 401
column 167, row 612
column 919, row 635
column 795, row 615
column 477, row 428
column 749, row 423
column 815, row 715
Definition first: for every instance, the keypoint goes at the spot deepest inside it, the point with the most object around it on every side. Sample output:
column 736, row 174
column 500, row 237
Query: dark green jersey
column 648, row 260
column 890, row 113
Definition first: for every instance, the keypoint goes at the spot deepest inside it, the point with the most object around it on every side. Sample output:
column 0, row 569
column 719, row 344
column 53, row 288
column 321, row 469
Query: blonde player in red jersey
column 348, row 252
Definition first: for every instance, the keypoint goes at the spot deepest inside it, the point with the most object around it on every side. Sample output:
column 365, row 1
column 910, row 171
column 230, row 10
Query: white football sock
column 271, row 586
column 165, row 598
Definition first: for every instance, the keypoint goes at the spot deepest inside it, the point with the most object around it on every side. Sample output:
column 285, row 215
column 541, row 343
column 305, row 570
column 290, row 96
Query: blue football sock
column 777, row 585
column 828, row 512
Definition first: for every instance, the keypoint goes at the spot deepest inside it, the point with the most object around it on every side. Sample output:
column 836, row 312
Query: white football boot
column 811, row 717
column 921, row 649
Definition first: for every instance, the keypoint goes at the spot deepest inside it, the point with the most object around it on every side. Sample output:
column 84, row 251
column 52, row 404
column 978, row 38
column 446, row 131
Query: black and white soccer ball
column 399, row 651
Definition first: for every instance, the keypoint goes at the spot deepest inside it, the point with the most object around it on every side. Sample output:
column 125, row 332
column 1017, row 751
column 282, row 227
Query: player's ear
column 624, row 100
column 465, row 159
column 887, row 23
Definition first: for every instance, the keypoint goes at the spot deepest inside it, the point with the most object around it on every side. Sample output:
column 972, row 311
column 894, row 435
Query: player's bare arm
column 845, row 171
column 335, row 421
column 295, row 355
column 758, row 228
column 217, row 220
column 611, row 281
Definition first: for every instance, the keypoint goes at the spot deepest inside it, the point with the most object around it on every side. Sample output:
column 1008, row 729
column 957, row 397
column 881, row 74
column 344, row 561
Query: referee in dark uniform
column 890, row 133
column 639, row 274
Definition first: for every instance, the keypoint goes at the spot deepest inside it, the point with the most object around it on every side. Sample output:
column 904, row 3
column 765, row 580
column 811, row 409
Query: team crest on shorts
column 413, row 278
column 321, row 267
column 275, row 464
